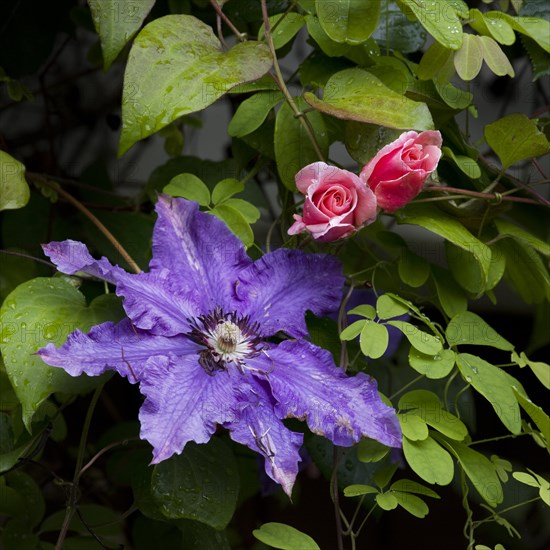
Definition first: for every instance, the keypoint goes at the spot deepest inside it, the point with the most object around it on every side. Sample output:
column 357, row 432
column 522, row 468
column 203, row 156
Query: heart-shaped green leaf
column 177, row 66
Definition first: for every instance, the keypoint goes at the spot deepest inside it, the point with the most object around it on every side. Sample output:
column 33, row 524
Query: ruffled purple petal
column 73, row 256
column 260, row 430
column 183, row 403
column 307, row 385
column 199, row 250
column 107, row 346
column 277, row 289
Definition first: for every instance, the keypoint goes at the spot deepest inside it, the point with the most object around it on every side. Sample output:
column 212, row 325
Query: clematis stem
column 280, row 81
column 334, row 493
column 73, row 494
column 77, row 204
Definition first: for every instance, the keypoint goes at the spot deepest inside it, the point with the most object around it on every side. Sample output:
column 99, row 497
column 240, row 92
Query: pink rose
column 337, row 203
column 398, row 171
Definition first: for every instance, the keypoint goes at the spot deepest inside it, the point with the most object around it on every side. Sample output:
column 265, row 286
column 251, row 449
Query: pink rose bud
column 398, row 171
column 337, row 203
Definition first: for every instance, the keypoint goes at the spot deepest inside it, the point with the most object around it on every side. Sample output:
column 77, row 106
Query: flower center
column 224, row 338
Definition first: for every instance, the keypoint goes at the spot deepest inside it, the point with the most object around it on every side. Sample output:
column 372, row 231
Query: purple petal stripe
column 277, row 289
column 307, row 385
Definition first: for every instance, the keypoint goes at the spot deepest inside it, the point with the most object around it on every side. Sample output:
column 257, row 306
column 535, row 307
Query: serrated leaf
column 374, row 340
column 429, row 460
column 480, row 470
column 348, row 21
column 359, row 490
column 469, row 58
column 450, row 229
column 36, row 313
column 386, row 501
column 177, row 66
column 116, row 22
column 235, row 221
column 293, row 148
column 420, row 340
column 469, row 328
column 432, row 366
column 189, row 187
column 494, row 385
column 14, row 190
column 284, row 27
column 252, row 112
column 200, row 484
column 412, row 426
column 516, row 137
column 353, row 330
column 413, row 270
column 355, row 94
column 284, row 537
column 540, row 60
column 495, row 58
column 440, row 19
column 387, row 307
column 225, row 189
column 452, row 298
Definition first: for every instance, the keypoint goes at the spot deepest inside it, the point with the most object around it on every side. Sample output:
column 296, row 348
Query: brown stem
column 241, row 37
column 489, row 196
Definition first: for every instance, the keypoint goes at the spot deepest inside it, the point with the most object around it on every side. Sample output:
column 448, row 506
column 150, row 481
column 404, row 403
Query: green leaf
column 492, row 24
column 386, row 501
column 31, row 496
column 387, row 307
column 285, row 537
column 427, row 406
column 177, row 66
column 527, row 479
column 284, row 27
column 14, row 190
column 516, row 137
column 439, row 18
column 534, row 27
column 469, row 58
column 412, row 426
column 413, row 270
column 466, row 271
column 235, row 221
column 250, row 213
column 189, row 187
column 225, row 189
column 252, row 112
column 363, row 140
column 116, row 22
column 450, row 229
column 365, row 310
column 506, row 228
column 541, row 370
column 355, row 94
column 414, row 505
column 39, row 312
column 540, row 60
column 429, row 460
column 374, row 340
column 495, row 58
column 537, row 414
column 349, row 21
column 293, row 148
column 494, row 385
column 451, row 297
column 435, row 58
column 466, row 164
column 525, row 271
column 408, row 486
column 200, row 484
column 480, row 470
column 353, row 330
column 432, row 366
column 359, row 490
column 370, row 450
column 420, row 340
column 469, row 328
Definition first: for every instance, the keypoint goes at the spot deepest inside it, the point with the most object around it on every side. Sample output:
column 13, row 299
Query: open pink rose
column 398, row 171
column 337, row 203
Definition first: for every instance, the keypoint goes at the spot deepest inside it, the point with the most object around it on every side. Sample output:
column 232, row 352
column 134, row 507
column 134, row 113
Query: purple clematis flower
column 197, row 339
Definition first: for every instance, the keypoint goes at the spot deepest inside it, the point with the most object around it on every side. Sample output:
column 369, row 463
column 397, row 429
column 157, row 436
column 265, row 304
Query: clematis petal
column 307, row 385
column 260, row 430
column 107, row 346
column 198, row 249
column 72, row 256
column 307, row 281
column 183, row 403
